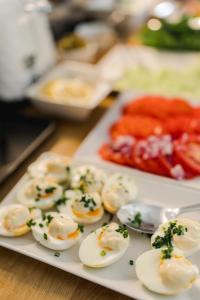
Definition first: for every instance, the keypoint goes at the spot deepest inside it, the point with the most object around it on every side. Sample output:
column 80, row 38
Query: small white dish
column 68, row 69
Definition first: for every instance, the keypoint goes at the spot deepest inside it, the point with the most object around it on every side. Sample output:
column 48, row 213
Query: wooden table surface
column 23, row 278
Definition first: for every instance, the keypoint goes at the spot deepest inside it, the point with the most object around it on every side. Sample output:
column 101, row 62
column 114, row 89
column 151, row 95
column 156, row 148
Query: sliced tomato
column 137, row 126
column 154, row 106
column 158, row 107
column 107, row 153
column 188, row 154
column 179, row 107
column 154, row 166
column 176, row 126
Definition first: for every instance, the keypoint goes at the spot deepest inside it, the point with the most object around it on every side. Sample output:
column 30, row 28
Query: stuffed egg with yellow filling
column 88, row 178
column 182, row 233
column 53, row 167
column 15, row 219
column 119, row 190
column 166, row 271
column 82, row 207
column 41, row 193
column 56, row 231
column 104, row 246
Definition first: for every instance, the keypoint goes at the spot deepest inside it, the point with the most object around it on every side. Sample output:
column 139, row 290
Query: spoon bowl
column 146, row 218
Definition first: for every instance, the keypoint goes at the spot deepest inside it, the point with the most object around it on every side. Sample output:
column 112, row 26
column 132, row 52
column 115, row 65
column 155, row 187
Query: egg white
column 119, row 190
column 52, row 242
column 147, row 267
column 66, row 208
column 90, row 251
column 94, row 178
column 3, row 230
column 189, row 243
column 40, row 168
column 43, row 204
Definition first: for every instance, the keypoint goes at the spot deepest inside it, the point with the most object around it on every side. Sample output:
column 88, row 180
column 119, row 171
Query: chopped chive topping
column 45, row 236
column 88, row 202
column 49, row 218
column 131, row 262
column 81, row 228
column 103, row 253
column 38, row 188
column 43, row 216
column 41, row 225
column 166, row 239
column 31, row 208
column 123, row 230
column 104, row 224
column 61, row 201
column 57, row 254
column 167, row 253
column 68, row 169
column 169, row 232
column 31, row 223
column 137, row 220
column 50, row 189
column 37, row 199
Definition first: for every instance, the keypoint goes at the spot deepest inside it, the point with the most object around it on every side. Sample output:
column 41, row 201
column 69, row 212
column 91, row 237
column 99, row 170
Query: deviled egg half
column 82, row 207
column 41, row 193
column 119, row 190
column 56, row 231
column 88, row 178
column 53, row 167
column 165, row 272
column 184, row 235
column 104, row 246
column 15, row 219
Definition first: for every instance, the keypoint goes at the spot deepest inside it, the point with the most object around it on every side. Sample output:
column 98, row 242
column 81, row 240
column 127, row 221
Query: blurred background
column 59, row 59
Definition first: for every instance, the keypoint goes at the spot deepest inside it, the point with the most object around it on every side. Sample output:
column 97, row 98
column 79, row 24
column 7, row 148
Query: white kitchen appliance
column 26, row 45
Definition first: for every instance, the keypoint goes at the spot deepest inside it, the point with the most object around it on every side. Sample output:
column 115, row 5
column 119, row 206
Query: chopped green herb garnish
column 38, row 188
column 123, row 230
column 167, row 253
column 103, row 253
column 50, row 189
column 37, row 199
column 49, row 218
column 61, row 201
column 57, row 254
column 88, row 202
column 169, row 232
column 31, row 208
column 104, row 224
column 45, row 236
column 68, row 169
column 81, row 228
column 31, row 223
column 41, row 225
column 131, row 262
column 136, row 222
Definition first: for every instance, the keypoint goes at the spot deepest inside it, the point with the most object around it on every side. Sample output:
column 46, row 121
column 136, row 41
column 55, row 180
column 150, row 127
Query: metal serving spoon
column 146, row 218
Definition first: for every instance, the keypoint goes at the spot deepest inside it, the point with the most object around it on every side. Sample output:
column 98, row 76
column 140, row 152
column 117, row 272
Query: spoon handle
column 189, row 208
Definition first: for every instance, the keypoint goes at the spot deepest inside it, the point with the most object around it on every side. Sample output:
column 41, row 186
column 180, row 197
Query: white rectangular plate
column 120, row 276
column 100, row 135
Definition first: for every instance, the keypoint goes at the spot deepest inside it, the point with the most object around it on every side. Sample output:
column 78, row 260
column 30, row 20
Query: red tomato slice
column 176, row 126
column 188, row 154
column 154, row 106
column 158, row 107
column 137, row 126
column 107, row 153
